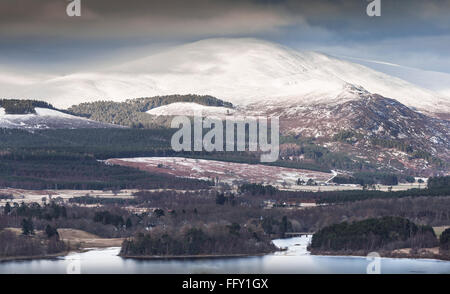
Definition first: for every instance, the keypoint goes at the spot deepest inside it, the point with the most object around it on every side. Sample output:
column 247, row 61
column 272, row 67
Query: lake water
column 296, row 260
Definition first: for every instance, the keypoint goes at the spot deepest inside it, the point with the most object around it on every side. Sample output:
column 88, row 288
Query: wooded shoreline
column 200, row 256
column 385, row 254
column 33, row 257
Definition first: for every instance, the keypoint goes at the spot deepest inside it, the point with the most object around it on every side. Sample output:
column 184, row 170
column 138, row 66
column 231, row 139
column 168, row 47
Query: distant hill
column 240, row 70
column 34, row 114
column 17, row 106
column 131, row 113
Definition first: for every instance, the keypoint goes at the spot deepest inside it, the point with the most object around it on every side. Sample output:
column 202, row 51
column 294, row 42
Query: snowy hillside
column 241, row 71
column 190, row 109
column 45, row 118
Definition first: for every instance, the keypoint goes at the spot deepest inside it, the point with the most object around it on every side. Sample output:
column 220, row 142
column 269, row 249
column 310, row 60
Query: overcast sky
column 39, row 35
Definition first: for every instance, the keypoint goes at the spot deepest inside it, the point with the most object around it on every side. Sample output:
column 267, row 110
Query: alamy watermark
column 374, row 266
column 74, row 266
column 236, row 131
column 74, row 8
column 374, row 8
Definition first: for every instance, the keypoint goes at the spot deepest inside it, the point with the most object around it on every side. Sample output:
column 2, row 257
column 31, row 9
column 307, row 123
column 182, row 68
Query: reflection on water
column 295, row 259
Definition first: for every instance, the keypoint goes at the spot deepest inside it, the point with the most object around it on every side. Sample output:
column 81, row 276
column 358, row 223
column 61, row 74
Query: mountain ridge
column 241, row 71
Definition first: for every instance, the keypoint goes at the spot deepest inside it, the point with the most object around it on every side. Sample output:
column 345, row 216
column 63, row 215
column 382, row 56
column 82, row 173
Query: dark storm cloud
column 412, row 32
column 139, row 18
column 181, row 18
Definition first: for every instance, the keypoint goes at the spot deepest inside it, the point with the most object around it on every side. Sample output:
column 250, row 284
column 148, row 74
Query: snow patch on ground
column 190, row 109
column 293, row 246
column 51, row 112
column 226, row 172
column 39, row 112
column 45, row 118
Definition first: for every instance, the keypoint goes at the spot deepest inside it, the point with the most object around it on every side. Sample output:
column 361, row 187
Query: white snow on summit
column 241, row 71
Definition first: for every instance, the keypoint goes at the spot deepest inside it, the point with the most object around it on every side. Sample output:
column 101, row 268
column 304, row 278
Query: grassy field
column 28, row 196
column 399, row 187
column 438, row 230
column 79, row 239
column 82, row 239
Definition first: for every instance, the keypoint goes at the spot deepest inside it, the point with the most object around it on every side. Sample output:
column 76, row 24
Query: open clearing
column 88, row 240
column 438, row 230
column 79, row 238
column 399, row 187
column 225, row 172
column 28, row 196
column 236, row 173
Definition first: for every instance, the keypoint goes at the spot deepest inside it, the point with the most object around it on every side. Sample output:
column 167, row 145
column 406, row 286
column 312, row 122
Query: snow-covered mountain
column 46, row 118
column 371, row 115
column 242, row 71
column 438, row 82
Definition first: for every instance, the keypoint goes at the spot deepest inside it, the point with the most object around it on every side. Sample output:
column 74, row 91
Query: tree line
column 131, row 113
column 373, row 234
column 19, row 106
column 207, row 240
